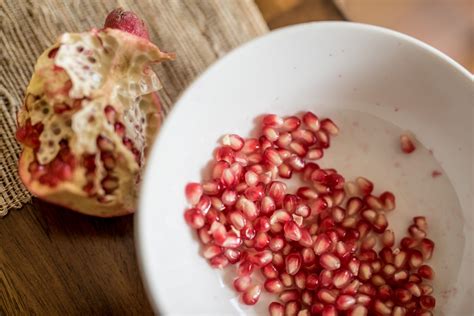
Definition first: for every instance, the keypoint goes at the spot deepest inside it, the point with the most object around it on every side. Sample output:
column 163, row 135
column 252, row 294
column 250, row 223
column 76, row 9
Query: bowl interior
column 375, row 84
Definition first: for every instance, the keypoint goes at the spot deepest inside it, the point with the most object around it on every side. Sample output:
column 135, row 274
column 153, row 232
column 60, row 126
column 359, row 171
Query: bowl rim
column 141, row 251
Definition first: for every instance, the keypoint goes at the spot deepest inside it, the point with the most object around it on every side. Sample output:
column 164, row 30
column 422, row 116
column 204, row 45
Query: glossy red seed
column 245, row 268
column 312, row 281
column 327, row 296
column 426, row 272
column 329, row 261
column 292, row 231
column 413, row 288
column 276, row 309
column 342, row 278
column 273, row 285
column 402, row 295
column 234, row 141
column 242, row 284
column 233, row 255
column 251, row 296
column 193, row 192
column 427, row 302
column 420, row 222
column 276, row 190
column 272, row 120
column 204, row 236
column 289, row 295
column 381, row 308
column 329, row 126
column 344, row 302
column 225, row 153
column 211, row 188
column 237, row 219
column 311, row 121
column 321, row 244
column 373, row 202
column 358, row 310
column 300, row 280
column 388, row 201
column 365, row 186
column 210, row 251
column 416, row 232
column 322, row 138
column 406, row 144
column 219, row 262
column 204, row 204
column 426, row 248
column 329, row 310
column 293, row 263
column 194, row 218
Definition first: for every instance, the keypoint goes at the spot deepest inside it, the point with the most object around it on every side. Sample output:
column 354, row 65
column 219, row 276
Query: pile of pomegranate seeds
column 324, row 249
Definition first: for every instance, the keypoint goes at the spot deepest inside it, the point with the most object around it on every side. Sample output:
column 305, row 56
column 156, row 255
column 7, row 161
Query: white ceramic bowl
column 375, row 83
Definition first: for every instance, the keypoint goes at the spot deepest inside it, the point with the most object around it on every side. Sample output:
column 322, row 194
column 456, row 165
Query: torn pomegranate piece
column 90, row 113
column 316, row 247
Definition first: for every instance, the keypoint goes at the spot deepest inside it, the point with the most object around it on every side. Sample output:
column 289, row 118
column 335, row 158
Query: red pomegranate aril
column 300, row 280
column 342, row 278
column 287, row 280
column 305, row 240
column 329, row 261
column 229, row 197
column 420, row 222
column 242, row 284
column 386, row 254
column 399, row 311
column 365, row 185
column 312, row 281
column 218, row 169
column 234, row 141
column 415, row 259
column 426, row 272
column 326, row 278
column 365, row 271
column 414, row 278
column 278, row 261
column 402, row 295
column 408, row 243
column 211, row 188
column 385, row 292
column 381, row 308
column 204, row 235
column 292, row 231
column 291, row 123
column 373, row 202
column 389, row 270
column 367, row 255
column 295, row 162
column 400, row 276
column 308, row 256
column 272, row 156
column 426, row 248
column 327, row 296
column 369, row 215
column 231, row 240
column 276, row 243
column 194, row 218
column 416, row 232
column 426, row 289
column 276, row 190
column 241, row 159
column 311, row 121
column 248, row 232
column 380, row 223
column 262, row 224
column 406, row 144
column 261, row 241
column 227, row 177
column 233, row 255
column 414, row 289
column 302, row 210
column 289, row 295
column 210, row 251
column 251, row 296
column 254, row 158
column 290, row 201
column 351, row 288
column 329, row 126
column 306, row 193
column 293, row 263
column 217, row 204
column 388, row 200
column 280, row 216
column 245, row 268
column 298, row 148
column 225, row 153
column 367, row 289
column 219, row 262
column 284, row 171
column 250, row 146
column 276, row 309
column 322, row 138
column 427, row 302
column 204, row 204
column 344, row 302
column 388, row 238
column 255, row 193
column 270, row 133
column 292, row 308
column 329, row 310
column 376, row 265
column 338, row 214
column 357, row 310
column 272, row 120
column 321, row 244
column 237, row 219
column 400, row 259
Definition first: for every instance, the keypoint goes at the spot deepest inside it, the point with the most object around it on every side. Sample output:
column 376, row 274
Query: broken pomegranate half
column 90, row 113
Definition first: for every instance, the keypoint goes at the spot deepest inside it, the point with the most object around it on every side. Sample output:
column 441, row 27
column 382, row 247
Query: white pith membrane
column 84, row 73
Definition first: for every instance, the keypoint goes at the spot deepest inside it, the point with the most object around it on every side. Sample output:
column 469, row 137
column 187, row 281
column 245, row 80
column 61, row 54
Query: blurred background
column 447, row 25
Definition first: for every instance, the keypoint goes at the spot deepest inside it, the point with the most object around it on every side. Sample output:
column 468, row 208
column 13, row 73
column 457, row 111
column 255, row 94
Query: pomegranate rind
column 94, row 70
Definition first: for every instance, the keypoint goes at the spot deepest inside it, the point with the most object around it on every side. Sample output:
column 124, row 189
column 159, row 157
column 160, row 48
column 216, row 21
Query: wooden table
column 53, row 261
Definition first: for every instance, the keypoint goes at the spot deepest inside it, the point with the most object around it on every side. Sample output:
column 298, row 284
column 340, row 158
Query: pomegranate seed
column 254, row 193
column 261, row 241
column 232, row 255
column 352, row 288
column 326, row 277
column 210, row 251
column 217, row 204
column 327, row 296
column 388, row 238
column 399, row 311
column 302, row 210
column 386, row 255
column 300, row 280
column 306, row 193
column 369, row 215
column 311, row 121
column 400, row 276
column 408, row 243
column 365, row 186
column 426, row 289
column 368, row 243
column 272, row 120
column 289, row 295
column 218, row 169
column 293, row 263
column 219, row 262
column 204, row 235
column 245, row 268
column 416, row 233
column 251, row 296
column 290, row 201
column 276, row 243
column 305, row 240
column 298, row 148
column 291, row 123
column 242, row 284
column 250, row 146
column 406, row 144
column 307, row 298
column 427, row 302
column 341, row 278
column 414, row 289
column 414, row 278
column 317, row 308
column 380, row 223
column 204, row 204
column 237, row 219
column 287, row 280
column 353, row 266
column 367, row 289
column 262, row 224
column 276, row 309
column 415, row 259
column 322, row 139
column 280, row 216
column 296, row 163
column 312, row 281
column 304, row 136
column 229, row 197
column 426, row 248
column 382, row 308
column 241, row 159
column 230, row 241
column 248, row 232
column 270, row 133
column 329, row 261
column 292, row 308
column 225, row 153
column 426, row 272
column 292, row 231
column 234, row 141
column 194, row 218
column 211, row 188
column 344, row 302
column 338, row 214
column 420, row 222
column 254, row 158
column 365, row 271
column 276, row 190
column 388, row 201
column 314, row 154
column 358, row 310
column 400, row 259
column 329, row 310
column 373, row 202
column 321, row 244
column 246, row 206
column 402, row 295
